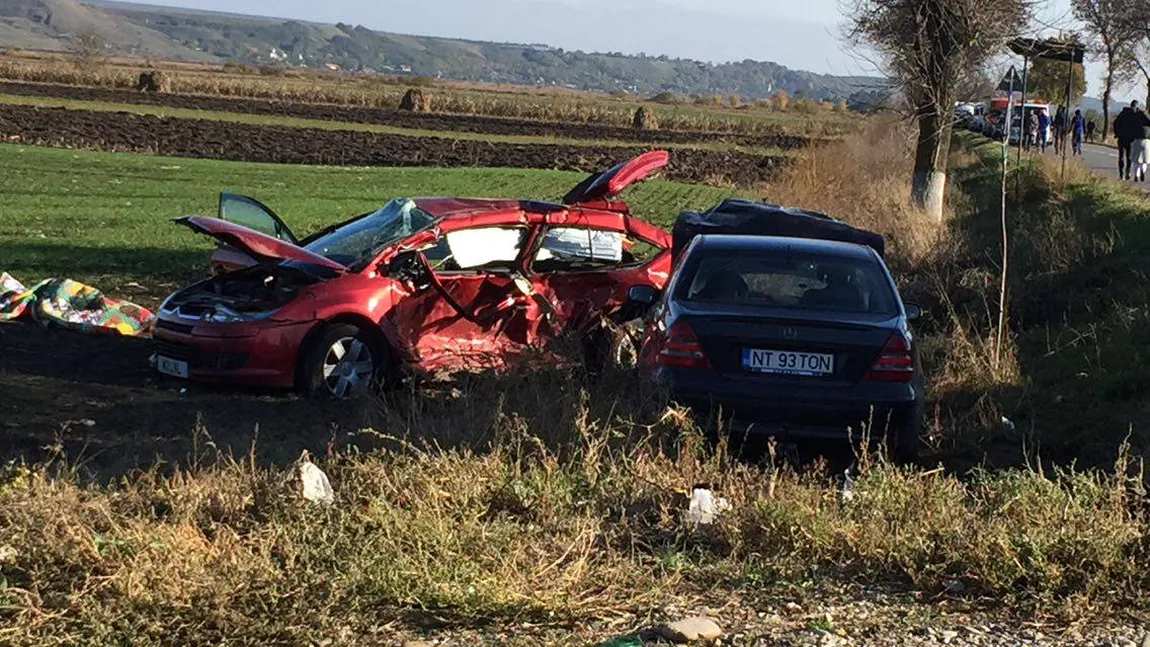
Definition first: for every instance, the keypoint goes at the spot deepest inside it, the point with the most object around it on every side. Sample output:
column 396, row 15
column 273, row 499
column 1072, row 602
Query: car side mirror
column 913, row 311
column 643, row 295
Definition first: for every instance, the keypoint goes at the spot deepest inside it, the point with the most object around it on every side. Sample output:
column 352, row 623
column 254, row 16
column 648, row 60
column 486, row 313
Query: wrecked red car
column 420, row 285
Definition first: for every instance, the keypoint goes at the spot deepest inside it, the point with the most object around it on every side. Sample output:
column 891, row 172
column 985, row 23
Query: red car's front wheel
column 341, row 362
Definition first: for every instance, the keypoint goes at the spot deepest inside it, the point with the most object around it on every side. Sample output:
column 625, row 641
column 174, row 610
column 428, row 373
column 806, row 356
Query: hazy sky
column 802, row 34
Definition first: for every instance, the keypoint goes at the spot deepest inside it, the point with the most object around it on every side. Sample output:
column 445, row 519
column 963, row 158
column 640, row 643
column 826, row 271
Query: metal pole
column 1021, row 126
column 1066, row 114
column 1000, row 333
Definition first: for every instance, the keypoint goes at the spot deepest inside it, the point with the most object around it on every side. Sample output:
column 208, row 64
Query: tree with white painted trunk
column 928, row 46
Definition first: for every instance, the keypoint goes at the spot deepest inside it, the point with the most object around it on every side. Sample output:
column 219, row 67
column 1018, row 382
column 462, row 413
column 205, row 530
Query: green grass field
column 104, row 218
column 297, row 122
column 508, row 504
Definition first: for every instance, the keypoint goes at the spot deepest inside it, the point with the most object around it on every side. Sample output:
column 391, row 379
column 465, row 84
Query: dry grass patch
column 557, row 515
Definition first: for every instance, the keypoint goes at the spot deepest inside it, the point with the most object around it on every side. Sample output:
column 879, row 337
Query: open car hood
column 610, row 183
column 261, row 247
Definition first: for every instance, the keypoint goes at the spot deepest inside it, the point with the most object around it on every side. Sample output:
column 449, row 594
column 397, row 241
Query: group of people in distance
column 1040, row 127
column 1132, row 130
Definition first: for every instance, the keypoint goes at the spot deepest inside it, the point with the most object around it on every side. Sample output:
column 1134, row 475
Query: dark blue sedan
column 787, row 337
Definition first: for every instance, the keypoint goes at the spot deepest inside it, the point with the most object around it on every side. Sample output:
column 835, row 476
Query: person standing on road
column 1126, row 130
column 1140, row 149
column 1043, row 130
column 1077, row 132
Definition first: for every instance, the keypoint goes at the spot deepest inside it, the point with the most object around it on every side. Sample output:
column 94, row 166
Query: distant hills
column 185, row 34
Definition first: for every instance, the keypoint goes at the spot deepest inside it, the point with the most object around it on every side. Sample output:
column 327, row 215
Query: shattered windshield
column 360, row 240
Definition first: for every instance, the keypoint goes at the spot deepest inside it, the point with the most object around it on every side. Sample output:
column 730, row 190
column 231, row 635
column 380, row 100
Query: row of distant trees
column 780, row 101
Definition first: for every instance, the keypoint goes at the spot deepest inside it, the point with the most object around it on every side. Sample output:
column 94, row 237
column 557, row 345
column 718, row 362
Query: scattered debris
column 72, row 305
column 623, row 641
column 705, row 507
column 954, row 587
column 696, row 629
column 316, row 486
column 848, row 492
column 828, row 639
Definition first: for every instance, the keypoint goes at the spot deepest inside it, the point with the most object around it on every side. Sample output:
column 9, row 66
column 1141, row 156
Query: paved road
column 1101, row 159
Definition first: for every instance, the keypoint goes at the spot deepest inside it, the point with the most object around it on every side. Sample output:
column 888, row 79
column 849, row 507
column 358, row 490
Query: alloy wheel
column 347, row 367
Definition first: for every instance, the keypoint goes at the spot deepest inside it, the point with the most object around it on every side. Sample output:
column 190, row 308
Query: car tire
column 342, row 362
column 613, row 346
column 904, row 440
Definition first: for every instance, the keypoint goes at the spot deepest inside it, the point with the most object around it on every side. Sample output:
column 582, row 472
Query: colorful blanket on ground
column 66, row 303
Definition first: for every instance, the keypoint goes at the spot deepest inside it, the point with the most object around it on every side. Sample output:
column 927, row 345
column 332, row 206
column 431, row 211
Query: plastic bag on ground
column 316, row 486
column 705, row 507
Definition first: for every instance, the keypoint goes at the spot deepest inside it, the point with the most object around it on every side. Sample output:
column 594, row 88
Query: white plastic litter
column 705, row 506
column 848, row 492
column 316, row 486
column 1008, row 423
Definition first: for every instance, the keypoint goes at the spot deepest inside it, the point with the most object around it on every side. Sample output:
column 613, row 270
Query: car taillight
column 895, row 363
column 681, row 348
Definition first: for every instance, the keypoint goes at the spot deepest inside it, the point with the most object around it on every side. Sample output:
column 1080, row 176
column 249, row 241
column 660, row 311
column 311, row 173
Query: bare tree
column 1137, row 17
column 928, row 46
column 1109, row 25
column 975, row 85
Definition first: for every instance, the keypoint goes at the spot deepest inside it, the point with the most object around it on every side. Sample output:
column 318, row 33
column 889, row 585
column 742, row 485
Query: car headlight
column 224, row 314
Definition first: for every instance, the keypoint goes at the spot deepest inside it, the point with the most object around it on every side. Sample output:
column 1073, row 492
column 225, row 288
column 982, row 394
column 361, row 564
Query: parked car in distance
column 787, row 337
column 419, row 285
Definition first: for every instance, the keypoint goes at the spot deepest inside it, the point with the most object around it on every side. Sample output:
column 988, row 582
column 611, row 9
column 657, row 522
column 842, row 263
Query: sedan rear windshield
column 787, row 281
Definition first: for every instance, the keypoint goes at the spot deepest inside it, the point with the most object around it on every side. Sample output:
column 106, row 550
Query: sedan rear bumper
column 792, row 409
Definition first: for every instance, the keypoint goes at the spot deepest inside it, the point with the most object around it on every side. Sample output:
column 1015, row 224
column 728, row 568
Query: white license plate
column 173, row 367
column 781, row 362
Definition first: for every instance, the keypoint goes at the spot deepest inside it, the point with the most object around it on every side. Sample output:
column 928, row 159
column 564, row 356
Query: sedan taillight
column 681, row 348
column 895, row 363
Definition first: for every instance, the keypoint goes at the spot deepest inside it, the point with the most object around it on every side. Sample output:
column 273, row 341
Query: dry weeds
column 568, row 511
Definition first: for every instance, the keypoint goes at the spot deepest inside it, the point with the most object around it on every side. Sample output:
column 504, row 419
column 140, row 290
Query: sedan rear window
column 794, row 281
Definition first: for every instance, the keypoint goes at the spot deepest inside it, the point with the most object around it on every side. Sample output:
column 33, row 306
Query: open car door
column 606, row 185
column 252, row 214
